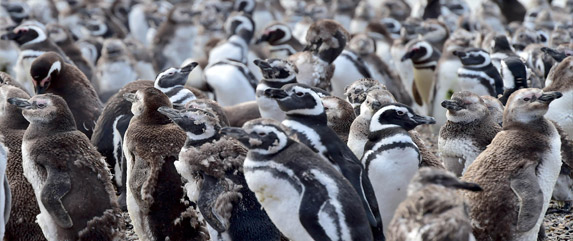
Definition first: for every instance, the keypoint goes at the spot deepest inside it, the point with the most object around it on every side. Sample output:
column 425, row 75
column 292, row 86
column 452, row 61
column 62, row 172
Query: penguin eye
column 262, row 134
column 299, row 94
column 526, row 99
column 41, row 105
column 400, row 112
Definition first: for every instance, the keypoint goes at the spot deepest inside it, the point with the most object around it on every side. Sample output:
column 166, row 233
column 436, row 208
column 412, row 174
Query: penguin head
column 397, row 9
column 198, row 124
column 210, row 106
column 523, row 37
column 96, row 26
column 46, row 109
column 57, row 33
column 240, row 24
column 277, row 70
column 8, row 112
column 45, row 70
column 18, row 11
column 397, row 115
column 474, row 57
column 465, row 107
column 559, row 37
column 261, row 136
column 375, row 99
column 418, row 51
column 145, row 102
column 494, row 107
column 433, row 176
column 276, row 34
column 29, row 32
column 356, row 92
column 338, row 111
column 174, row 76
column 297, row 99
column 562, row 76
column 362, row 44
column 247, row 6
column 182, row 13
column 527, row 105
column 500, row 43
column 326, row 39
column 114, row 48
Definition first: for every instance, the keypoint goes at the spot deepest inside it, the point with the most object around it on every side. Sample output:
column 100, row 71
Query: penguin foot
column 561, row 207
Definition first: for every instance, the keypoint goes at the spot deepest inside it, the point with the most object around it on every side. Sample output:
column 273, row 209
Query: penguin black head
column 174, row 76
column 276, row 34
column 326, row 38
column 555, row 54
column 29, row 32
column 501, row 44
column 97, row 26
column 465, row 107
column 247, row 6
column 419, row 51
column 474, row 57
column 528, row 105
column 298, row 99
column 45, row 69
column 434, row 176
column 145, row 102
column 397, row 115
column 277, row 70
column 46, row 109
column 198, row 124
column 240, row 24
column 261, row 136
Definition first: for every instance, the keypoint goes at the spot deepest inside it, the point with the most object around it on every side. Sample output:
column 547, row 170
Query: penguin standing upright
column 212, row 168
column 115, row 68
column 67, row 174
column 351, row 67
column 514, row 75
column 52, row 75
column 282, row 42
column 520, row 167
column 304, row 196
column 478, row 74
column 276, row 73
column 391, row 158
column 172, row 83
column 425, row 58
column 152, row 180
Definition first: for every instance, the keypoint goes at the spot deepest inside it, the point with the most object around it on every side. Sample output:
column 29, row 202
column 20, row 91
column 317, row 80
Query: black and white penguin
column 240, row 28
column 391, row 158
column 51, row 74
column 172, row 83
column 304, row 196
column 478, row 75
column 308, row 123
column 520, row 167
column 434, row 209
column 212, row 166
column 469, row 128
column 351, row 67
column 500, row 50
column 514, row 75
column 22, row 225
column 425, row 59
column 67, row 174
column 276, row 74
column 152, row 179
column 115, row 68
column 282, row 42
column 226, row 78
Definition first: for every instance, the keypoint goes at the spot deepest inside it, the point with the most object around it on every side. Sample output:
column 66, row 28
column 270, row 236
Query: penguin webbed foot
column 562, row 207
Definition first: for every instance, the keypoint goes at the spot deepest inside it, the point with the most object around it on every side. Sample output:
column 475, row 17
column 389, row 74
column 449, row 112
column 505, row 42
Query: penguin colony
column 284, row 120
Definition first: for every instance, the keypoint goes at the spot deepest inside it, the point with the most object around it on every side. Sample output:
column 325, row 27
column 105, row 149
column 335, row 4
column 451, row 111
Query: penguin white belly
column 23, row 68
column 270, row 109
column 404, row 68
column 561, row 111
column 356, row 143
column 227, row 51
column 456, row 153
column 181, row 45
column 345, row 73
column 230, row 85
column 280, row 199
column 251, row 56
column 472, row 85
column 114, row 75
column 424, row 79
column 137, row 25
column 299, row 31
column 144, row 70
column 8, row 56
column 357, row 26
column 383, row 50
column 214, row 235
column 133, row 209
column 563, row 190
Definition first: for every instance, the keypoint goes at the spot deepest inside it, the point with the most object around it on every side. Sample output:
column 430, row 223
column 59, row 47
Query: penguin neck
column 259, row 157
column 199, row 142
column 390, row 130
column 319, row 119
column 539, row 125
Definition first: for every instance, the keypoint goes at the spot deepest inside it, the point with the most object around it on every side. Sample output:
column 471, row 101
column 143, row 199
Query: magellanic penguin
column 425, row 59
column 240, row 28
column 115, row 68
column 517, row 171
column 155, row 196
column 339, row 114
column 391, row 158
column 304, row 196
column 478, row 74
column 212, row 166
column 434, row 209
column 468, row 130
column 495, row 108
column 326, row 40
column 51, row 74
column 227, row 78
column 308, row 123
column 172, row 83
column 67, row 174
column 356, row 92
column 514, row 74
column 276, row 73
column 282, row 43
column 351, row 67
column 561, row 110
column 22, row 225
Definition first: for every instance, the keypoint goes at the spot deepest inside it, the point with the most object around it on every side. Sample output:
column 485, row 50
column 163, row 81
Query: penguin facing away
column 478, row 74
column 60, row 163
column 309, row 199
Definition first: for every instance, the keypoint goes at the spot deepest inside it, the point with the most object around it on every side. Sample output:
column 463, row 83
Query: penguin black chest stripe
column 358, row 63
column 384, row 140
column 307, row 135
column 479, row 75
column 278, row 173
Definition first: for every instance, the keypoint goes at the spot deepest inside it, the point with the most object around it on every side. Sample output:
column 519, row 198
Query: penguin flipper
column 530, row 196
column 57, row 185
column 8, row 200
column 309, row 213
column 210, row 190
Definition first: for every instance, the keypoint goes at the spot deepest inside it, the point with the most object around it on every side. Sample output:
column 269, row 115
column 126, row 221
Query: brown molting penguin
column 340, row 115
column 52, row 75
column 22, row 225
column 67, row 174
column 155, row 195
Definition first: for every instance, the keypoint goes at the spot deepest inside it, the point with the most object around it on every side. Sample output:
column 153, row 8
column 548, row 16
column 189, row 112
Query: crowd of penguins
column 284, row 120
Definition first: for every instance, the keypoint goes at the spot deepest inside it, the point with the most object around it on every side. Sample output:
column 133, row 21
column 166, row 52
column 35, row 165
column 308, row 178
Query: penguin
column 309, row 199
column 500, row 50
column 520, row 167
column 240, row 28
column 276, row 74
column 281, row 41
column 172, row 83
column 213, row 107
column 211, row 165
column 115, row 68
column 22, row 225
column 32, row 38
column 91, row 49
column 561, row 110
column 339, row 114
column 143, row 58
column 425, row 59
column 478, row 74
column 227, row 78
column 351, row 67
column 391, row 158
column 495, row 108
column 356, row 92
column 52, row 75
column 152, row 179
column 468, row 130
column 514, row 75
column 363, row 14
column 67, row 174
column 17, row 11
column 434, row 209
column 307, row 121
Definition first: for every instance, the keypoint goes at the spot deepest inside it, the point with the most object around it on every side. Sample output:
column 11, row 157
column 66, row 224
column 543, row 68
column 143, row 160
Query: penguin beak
column 131, row 97
column 236, row 133
column 9, row 36
column 452, row 105
column 275, row 93
column 460, row 54
column 420, row 120
column 43, row 86
column 188, row 68
column 169, row 112
column 408, row 55
column 546, row 98
column 20, row 103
